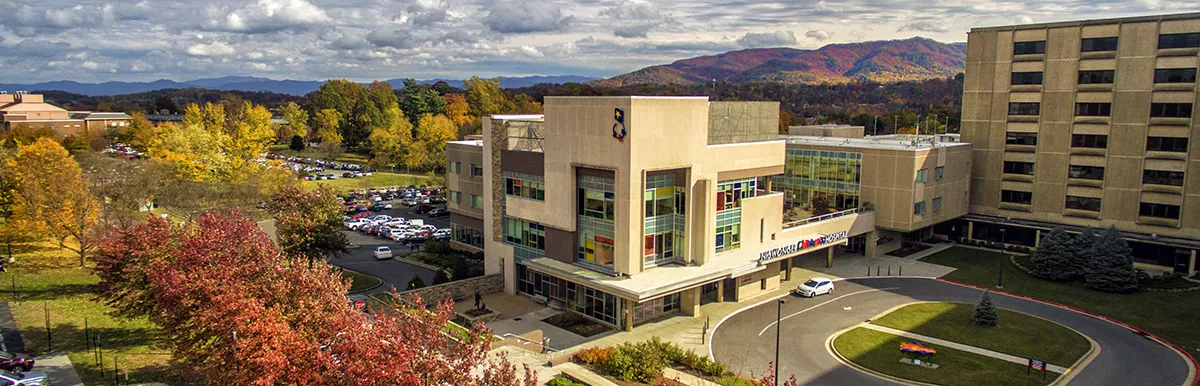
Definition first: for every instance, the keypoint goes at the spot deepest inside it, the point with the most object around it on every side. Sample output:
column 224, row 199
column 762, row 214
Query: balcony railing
column 824, row 217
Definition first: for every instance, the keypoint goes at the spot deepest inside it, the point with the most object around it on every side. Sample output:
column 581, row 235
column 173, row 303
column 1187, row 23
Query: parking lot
column 393, row 272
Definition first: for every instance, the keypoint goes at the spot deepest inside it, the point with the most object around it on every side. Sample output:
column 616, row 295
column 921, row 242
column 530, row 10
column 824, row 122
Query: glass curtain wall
column 729, row 211
column 595, row 215
column 596, row 304
column 818, row 182
column 665, row 231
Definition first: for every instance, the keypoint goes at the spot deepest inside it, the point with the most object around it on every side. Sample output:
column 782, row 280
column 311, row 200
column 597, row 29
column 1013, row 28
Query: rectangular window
column 1089, row 141
column 730, row 193
column 466, row 235
column 1013, row 167
column 1171, row 110
column 1162, row 177
column 939, row 172
column 762, row 284
column 1098, row 44
column 476, row 170
column 476, row 201
column 1016, row 197
column 1171, row 144
column 1186, row 40
column 1096, row 77
column 1086, row 172
column 1024, row 108
column 1159, row 210
column 1028, row 139
column 1027, row 48
column 1093, row 109
column 525, row 233
column 525, row 185
column 937, row 204
column 919, row 208
column 921, row 176
column 1175, row 75
column 1019, row 78
column 1083, row 203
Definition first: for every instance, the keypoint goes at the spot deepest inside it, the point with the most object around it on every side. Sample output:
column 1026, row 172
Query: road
column 746, row 340
column 393, row 272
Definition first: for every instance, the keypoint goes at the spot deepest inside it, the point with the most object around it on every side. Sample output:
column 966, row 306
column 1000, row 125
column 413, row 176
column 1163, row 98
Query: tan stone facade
column 30, row 112
column 1088, row 123
column 464, row 181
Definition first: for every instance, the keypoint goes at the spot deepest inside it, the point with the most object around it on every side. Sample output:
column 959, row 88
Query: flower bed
column 644, row 362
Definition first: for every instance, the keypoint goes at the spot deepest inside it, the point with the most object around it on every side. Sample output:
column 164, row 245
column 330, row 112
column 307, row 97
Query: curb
column 848, row 363
column 1192, row 363
column 364, row 274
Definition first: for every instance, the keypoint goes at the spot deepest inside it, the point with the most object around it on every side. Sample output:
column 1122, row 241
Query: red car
column 423, row 208
column 15, row 362
column 363, row 214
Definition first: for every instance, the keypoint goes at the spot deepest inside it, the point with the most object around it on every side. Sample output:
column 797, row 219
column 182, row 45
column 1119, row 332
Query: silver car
column 30, row 378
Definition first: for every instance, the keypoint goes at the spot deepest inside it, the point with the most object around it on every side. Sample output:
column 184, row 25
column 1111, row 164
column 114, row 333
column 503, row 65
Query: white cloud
column 210, row 49
column 393, row 38
column 924, row 26
column 532, row 52
column 637, row 18
column 272, row 15
column 818, row 35
column 769, row 39
column 526, row 16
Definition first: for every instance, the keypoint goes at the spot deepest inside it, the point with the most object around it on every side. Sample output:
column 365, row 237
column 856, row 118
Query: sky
column 363, row 40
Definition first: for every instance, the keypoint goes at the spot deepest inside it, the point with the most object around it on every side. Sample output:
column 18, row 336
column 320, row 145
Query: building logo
column 801, row 245
column 619, row 116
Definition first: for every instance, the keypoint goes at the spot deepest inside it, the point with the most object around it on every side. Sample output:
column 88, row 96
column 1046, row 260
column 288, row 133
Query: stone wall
column 464, row 289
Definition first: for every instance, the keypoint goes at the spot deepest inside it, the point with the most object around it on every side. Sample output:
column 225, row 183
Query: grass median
column 360, row 281
column 1170, row 315
column 880, row 352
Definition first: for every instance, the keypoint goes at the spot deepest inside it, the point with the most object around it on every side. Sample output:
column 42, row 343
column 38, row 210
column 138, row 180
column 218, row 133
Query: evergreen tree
column 1054, row 259
column 1082, row 246
column 415, row 283
column 297, row 143
column 1111, row 268
column 985, row 312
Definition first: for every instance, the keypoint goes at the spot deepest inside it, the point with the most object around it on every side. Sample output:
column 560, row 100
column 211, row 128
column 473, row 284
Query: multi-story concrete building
column 1087, row 123
column 631, row 209
column 31, row 112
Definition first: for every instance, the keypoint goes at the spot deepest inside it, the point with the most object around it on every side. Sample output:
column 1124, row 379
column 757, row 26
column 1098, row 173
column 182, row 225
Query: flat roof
column 470, row 142
column 1116, row 20
column 900, row 142
column 520, row 117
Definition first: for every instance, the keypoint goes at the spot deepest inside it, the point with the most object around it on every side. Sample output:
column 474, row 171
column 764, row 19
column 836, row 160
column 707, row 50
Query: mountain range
column 877, row 61
column 249, row 83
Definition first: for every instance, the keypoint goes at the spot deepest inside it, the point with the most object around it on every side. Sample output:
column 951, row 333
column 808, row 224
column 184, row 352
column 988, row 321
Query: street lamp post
column 778, row 323
column 1000, row 279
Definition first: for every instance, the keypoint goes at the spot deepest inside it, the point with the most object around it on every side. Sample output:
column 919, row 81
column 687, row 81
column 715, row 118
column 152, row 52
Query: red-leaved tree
column 234, row 308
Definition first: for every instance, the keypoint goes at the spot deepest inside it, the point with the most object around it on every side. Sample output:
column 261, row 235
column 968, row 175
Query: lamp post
column 778, row 323
column 1003, row 253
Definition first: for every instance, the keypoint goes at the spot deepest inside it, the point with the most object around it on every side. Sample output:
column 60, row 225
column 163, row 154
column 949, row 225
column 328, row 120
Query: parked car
column 442, row 234
column 355, row 224
column 378, row 207
column 383, row 253
column 363, row 214
column 815, row 286
column 32, row 378
column 439, row 212
column 15, row 362
column 423, row 208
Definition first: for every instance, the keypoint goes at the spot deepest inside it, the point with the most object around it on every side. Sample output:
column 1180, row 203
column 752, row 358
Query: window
column 476, row 201
column 1028, row 139
column 1027, row 48
column 456, row 197
column 476, row 170
column 1171, row 144
column 730, row 193
column 938, row 173
column 729, row 237
column 1171, row 110
column 1175, row 75
column 762, row 284
column 1086, row 172
column 1098, row 44
column 937, row 204
column 1093, row 109
column 1013, row 167
column 525, row 185
column 1016, row 197
column 1024, row 108
column 1187, row 40
column 1096, row 77
column 466, row 235
column 597, row 204
column 1083, row 203
column 1019, row 78
column 1089, row 140
column 919, row 208
column 595, row 211
column 525, row 233
column 921, row 176
column 1162, row 177
column 1159, row 210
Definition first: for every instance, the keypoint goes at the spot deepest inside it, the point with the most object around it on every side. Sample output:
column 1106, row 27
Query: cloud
column 423, row 13
column 924, row 26
column 769, row 39
column 636, row 18
column 393, row 38
column 210, row 49
column 532, row 52
column 1024, row 19
column 526, row 16
column 63, row 17
column 270, row 16
column 818, row 35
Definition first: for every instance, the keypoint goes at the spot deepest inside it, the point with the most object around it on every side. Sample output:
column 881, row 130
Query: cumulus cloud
column 270, row 16
column 64, row 17
column 393, row 38
column 424, row 13
column 532, row 52
column 924, row 26
column 526, row 16
column 210, row 49
column 818, row 35
column 768, row 39
column 637, row 18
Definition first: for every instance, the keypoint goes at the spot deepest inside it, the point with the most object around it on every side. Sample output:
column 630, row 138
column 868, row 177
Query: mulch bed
column 577, row 324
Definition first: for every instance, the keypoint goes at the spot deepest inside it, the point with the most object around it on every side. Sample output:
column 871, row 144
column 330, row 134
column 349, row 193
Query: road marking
column 764, row 330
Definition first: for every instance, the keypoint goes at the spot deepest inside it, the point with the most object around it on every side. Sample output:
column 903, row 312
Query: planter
column 474, row 317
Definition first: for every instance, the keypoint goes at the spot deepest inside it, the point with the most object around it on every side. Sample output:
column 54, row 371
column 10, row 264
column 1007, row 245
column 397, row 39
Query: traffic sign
column 360, row 305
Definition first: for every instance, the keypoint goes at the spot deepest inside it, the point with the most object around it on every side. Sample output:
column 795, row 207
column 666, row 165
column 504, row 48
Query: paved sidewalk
column 685, row 378
column 961, row 347
column 59, row 369
column 10, row 337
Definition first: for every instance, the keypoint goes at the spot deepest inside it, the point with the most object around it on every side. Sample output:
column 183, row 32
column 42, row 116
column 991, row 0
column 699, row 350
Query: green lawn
column 881, row 352
column 1170, row 315
column 48, row 278
column 1017, row 334
column 384, row 303
column 375, row 180
column 360, row 281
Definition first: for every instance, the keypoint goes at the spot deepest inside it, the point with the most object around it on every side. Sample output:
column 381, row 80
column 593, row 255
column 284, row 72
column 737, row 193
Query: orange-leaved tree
column 51, row 194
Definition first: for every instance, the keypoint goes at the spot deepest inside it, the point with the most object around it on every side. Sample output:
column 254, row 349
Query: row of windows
column 456, row 168
column 1146, row 209
column 1159, row 210
column 1013, row 167
column 525, row 185
column 1097, row 141
column 938, row 173
column 919, row 208
column 526, row 233
column 1162, row 75
column 1165, row 41
column 1026, row 139
column 1103, row 109
column 1152, row 177
column 1086, row 172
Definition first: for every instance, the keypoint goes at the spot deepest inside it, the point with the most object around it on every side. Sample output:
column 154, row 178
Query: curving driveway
column 745, row 343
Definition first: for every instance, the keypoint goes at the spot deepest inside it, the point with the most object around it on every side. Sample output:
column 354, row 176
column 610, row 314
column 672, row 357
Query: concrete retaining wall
column 463, row 289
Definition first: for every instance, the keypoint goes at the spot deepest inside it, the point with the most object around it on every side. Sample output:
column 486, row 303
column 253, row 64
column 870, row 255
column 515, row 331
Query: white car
column 442, row 234
column 383, row 253
column 354, row 225
column 816, row 286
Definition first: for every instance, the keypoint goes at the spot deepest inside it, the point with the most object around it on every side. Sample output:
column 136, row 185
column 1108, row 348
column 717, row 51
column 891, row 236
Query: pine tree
column 1111, row 269
column 985, row 312
column 416, row 282
column 1053, row 259
column 1082, row 246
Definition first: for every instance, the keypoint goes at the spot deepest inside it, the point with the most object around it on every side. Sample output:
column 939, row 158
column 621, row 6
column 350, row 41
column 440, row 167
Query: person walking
column 478, row 299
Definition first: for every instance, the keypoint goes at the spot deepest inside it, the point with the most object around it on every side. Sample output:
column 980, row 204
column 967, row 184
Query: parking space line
column 764, row 330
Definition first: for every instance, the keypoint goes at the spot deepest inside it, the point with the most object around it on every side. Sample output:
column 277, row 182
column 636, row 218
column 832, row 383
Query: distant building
column 830, row 130
column 31, row 112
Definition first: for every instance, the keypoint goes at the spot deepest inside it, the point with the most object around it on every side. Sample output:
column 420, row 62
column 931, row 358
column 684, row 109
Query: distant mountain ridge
column 879, row 61
column 250, row 83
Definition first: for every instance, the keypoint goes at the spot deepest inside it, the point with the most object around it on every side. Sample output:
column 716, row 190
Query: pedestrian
column 478, row 299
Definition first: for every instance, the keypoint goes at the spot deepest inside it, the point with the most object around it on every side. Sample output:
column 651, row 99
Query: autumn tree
column 142, row 134
column 13, row 228
column 326, row 123
column 485, row 97
column 525, row 104
column 297, row 119
column 457, row 109
column 429, row 148
column 50, row 190
column 392, row 143
column 308, row 223
column 126, row 187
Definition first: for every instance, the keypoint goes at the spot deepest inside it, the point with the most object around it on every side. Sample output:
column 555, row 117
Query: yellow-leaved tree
column 457, row 109
column 327, row 122
column 429, row 148
column 297, row 119
column 50, row 193
column 250, row 134
column 392, row 143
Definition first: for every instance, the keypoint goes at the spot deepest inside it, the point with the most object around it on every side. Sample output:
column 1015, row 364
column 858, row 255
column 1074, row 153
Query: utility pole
column 875, row 130
column 778, row 322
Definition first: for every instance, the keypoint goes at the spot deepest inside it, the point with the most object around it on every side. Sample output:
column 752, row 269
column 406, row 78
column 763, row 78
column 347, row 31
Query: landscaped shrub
column 985, row 312
column 594, row 355
column 734, row 380
column 644, row 361
column 563, row 381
